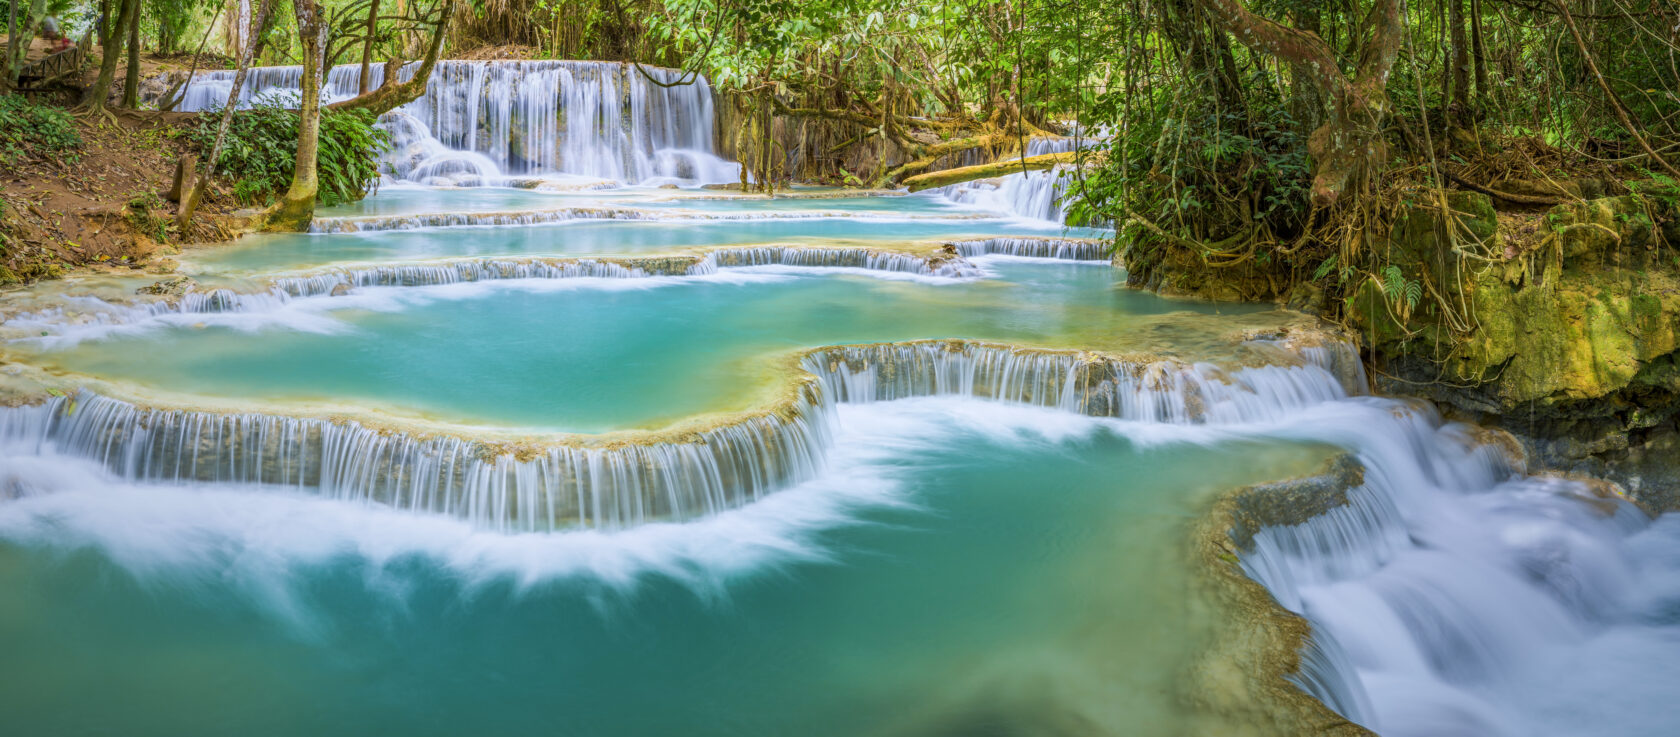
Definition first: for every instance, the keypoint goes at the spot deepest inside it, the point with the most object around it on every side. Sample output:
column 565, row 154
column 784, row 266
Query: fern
column 1324, row 267
column 1393, row 282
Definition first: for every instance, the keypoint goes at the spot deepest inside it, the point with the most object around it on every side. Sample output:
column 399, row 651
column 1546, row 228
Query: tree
column 131, row 80
column 125, row 12
column 1349, row 145
column 18, row 33
column 297, row 207
column 392, row 94
column 191, row 199
column 368, row 36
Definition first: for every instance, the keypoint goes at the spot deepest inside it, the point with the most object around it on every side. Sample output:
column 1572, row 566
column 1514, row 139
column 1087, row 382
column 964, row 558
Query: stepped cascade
column 630, row 459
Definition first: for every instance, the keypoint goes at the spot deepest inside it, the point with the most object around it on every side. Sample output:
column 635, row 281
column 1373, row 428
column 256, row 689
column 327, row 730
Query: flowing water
column 560, row 458
column 484, row 122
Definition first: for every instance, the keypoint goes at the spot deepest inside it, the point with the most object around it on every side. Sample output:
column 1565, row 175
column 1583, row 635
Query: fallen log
column 997, row 169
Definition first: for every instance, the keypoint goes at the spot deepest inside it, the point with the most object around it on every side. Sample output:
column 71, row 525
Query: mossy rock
column 1613, row 231
column 1418, row 237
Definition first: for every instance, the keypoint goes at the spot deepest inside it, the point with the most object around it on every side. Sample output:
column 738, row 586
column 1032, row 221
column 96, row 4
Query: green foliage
column 1324, row 268
column 141, row 218
column 29, row 131
column 1203, row 171
column 260, row 152
column 1400, row 289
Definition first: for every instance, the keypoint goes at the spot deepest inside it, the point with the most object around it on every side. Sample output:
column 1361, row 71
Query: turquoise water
column 956, row 566
column 964, row 568
column 584, row 238
column 405, row 200
column 409, row 199
column 590, row 355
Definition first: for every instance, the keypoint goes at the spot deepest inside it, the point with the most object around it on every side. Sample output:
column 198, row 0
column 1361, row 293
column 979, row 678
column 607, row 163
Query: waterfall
column 1450, row 594
column 480, row 122
column 1037, row 195
column 616, row 482
column 618, row 485
column 853, row 258
column 374, row 223
column 1065, row 249
column 82, row 313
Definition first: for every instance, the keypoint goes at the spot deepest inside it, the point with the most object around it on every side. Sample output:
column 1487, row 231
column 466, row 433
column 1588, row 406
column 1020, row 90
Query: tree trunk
column 19, row 31
column 1349, row 146
column 196, row 195
column 1478, row 45
column 8, row 72
column 297, row 208
column 392, row 94
column 1006, row 167
column 1306, row 98
column 131, row 80
column 367, row 48
column 1459, row 113
column 110, row 47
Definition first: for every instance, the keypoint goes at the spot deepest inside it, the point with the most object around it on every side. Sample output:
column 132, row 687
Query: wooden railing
column 54, row 66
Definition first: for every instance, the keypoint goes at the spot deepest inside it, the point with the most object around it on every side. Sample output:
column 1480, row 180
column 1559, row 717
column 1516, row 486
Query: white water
column 552, row 215
column 486, row 122
column 694, row 475
column 1452, row 595
column 1034, row 195
column 1455, row 596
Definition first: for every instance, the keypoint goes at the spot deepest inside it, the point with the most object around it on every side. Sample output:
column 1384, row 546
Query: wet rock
column 1570, row 342
column 169, row 287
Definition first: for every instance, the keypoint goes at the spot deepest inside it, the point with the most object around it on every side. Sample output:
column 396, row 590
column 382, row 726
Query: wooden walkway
column 53, row 67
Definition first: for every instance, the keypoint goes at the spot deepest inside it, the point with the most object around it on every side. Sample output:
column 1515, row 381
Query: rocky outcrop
column 1253, row 670
column 1562, row 327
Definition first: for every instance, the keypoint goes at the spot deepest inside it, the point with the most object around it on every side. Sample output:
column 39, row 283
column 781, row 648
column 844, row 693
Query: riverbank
column 1556, row 323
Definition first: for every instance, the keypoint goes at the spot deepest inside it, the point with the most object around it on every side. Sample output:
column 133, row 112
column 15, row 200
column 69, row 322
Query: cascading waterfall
column 1065, row 249
column 559, row 486
column 480, row 122
column 853, row 258
column 1447, row 590
column 90, row 311
column 375, row 223
column 681, row 475
column 1038, row 195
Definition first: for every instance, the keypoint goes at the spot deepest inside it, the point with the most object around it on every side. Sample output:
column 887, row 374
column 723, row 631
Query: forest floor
column 105, row 204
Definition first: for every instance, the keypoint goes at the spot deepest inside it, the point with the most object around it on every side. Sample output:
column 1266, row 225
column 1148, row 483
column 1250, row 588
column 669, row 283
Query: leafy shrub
column 260, row 152
column 29, row 131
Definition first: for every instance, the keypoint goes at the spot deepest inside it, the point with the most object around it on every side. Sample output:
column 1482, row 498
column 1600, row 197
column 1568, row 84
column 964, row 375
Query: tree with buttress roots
column 1348, row 148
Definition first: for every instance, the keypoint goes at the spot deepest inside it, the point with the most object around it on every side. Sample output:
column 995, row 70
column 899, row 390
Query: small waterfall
column 1449, row 588
column 95, row 312
column 1086, row 383
column 482, row 121
column 854, row 258
column 380, row 223
column 508, row 489
column 617, row 482
column 375, row 223
column 1038, row 195
column 1065, row 249
column 423, row 275
column 92, row 312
